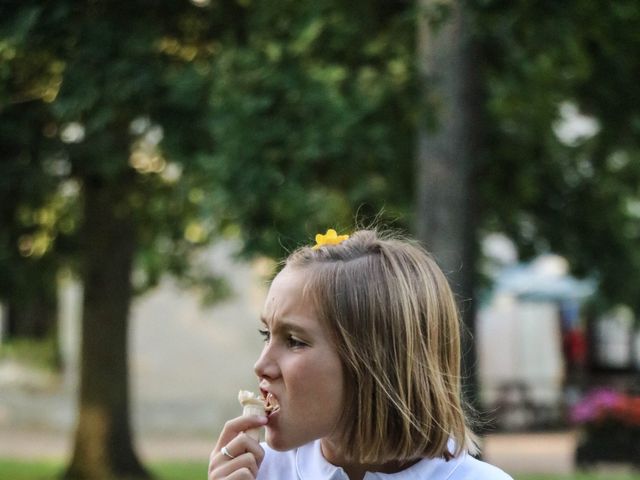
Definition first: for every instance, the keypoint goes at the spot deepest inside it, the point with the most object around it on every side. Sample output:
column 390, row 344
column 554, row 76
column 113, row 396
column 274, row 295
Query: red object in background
column 575, row 347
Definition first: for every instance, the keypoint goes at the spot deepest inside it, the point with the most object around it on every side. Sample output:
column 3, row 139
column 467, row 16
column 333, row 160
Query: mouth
column 271, row 404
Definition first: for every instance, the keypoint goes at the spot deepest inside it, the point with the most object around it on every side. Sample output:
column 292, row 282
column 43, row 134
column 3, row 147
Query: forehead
column 287, row 299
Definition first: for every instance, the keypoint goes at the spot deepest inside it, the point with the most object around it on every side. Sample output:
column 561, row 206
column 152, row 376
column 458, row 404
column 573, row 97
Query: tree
column 314, row 120
column 29, row 213
column 572, row 193
column 448, row 149
column 171, row 123
column 505, row 81
column 123, row 91
column 28, row 279
column 35, row 211
column 120, row 92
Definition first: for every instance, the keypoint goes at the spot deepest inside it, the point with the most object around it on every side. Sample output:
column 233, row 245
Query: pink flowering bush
column 609, row 423
column 604, row 404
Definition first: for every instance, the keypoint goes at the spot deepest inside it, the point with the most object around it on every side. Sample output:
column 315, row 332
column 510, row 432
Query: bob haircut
column 393, row 318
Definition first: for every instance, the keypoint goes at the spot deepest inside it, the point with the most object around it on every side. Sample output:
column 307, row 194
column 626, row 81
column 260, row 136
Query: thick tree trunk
column 103, row 440
column 447, row 144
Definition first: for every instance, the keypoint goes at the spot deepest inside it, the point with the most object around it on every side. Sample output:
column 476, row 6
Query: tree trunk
column 447, row 144
column 103, row 440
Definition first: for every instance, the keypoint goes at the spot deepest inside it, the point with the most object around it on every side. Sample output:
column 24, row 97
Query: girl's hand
column 243, row 455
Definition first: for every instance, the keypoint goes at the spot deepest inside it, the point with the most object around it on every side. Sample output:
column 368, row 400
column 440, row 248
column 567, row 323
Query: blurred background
column 157, row 159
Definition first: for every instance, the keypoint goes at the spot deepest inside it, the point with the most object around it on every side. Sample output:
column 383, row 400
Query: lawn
column 51, row 470
column 583, row 476
column 43, row 470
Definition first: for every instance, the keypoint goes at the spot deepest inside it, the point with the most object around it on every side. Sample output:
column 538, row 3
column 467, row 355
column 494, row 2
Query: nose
column 267, row 365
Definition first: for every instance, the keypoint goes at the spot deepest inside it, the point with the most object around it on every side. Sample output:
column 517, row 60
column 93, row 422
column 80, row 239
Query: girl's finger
column 236, row 426
column 242, row 474
column 244, row 461
column 241, row 452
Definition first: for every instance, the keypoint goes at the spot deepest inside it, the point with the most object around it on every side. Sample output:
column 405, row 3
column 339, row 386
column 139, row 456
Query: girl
column 361, row 368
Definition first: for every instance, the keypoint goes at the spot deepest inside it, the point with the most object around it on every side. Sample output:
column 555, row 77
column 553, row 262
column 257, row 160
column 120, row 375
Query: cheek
column 320, row 386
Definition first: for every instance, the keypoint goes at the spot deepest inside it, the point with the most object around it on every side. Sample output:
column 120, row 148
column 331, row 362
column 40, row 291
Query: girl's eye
column 266, row 335
column 293, row 342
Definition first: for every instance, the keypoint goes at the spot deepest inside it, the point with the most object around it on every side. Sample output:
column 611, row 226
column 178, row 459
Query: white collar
column 311, row 465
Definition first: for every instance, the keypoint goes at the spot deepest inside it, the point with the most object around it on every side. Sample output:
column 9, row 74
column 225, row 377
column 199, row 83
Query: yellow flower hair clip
column 329, row 238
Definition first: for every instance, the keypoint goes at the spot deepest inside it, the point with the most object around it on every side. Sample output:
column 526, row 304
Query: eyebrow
column 286, row 326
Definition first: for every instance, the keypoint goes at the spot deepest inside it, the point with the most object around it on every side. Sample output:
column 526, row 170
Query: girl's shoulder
column 463, row 467
column 307, row 463
column 467, row 467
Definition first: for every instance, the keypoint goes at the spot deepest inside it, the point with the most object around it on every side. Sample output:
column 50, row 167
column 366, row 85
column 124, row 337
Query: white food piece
column 252, row 404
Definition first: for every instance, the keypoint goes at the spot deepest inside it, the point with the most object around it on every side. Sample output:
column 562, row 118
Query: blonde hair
column 394, row 320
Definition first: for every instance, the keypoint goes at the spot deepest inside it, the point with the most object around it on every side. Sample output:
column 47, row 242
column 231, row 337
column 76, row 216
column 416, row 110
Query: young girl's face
column 299, row 368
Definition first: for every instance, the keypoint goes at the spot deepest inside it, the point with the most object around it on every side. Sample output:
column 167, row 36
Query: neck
column 357, row 471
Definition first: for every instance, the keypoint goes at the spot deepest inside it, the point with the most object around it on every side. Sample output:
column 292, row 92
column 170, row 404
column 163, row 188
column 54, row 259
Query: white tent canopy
column 544, row 279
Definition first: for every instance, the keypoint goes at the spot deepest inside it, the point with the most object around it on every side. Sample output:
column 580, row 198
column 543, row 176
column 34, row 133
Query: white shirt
column 307, row 463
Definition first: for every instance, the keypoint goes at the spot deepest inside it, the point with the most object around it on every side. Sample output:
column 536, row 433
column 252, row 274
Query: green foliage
column 111, row 93
column 231, row 115
column 313, row 119
column 574, row 195
column 277, row 122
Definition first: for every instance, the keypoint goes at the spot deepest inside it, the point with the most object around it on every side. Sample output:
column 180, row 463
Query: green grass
column 180, row 471
column 582, row 476
column 38, row 354
column 22, row 470
column 51, row 470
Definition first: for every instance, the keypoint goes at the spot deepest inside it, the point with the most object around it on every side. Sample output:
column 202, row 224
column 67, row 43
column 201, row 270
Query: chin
column 280, row 444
